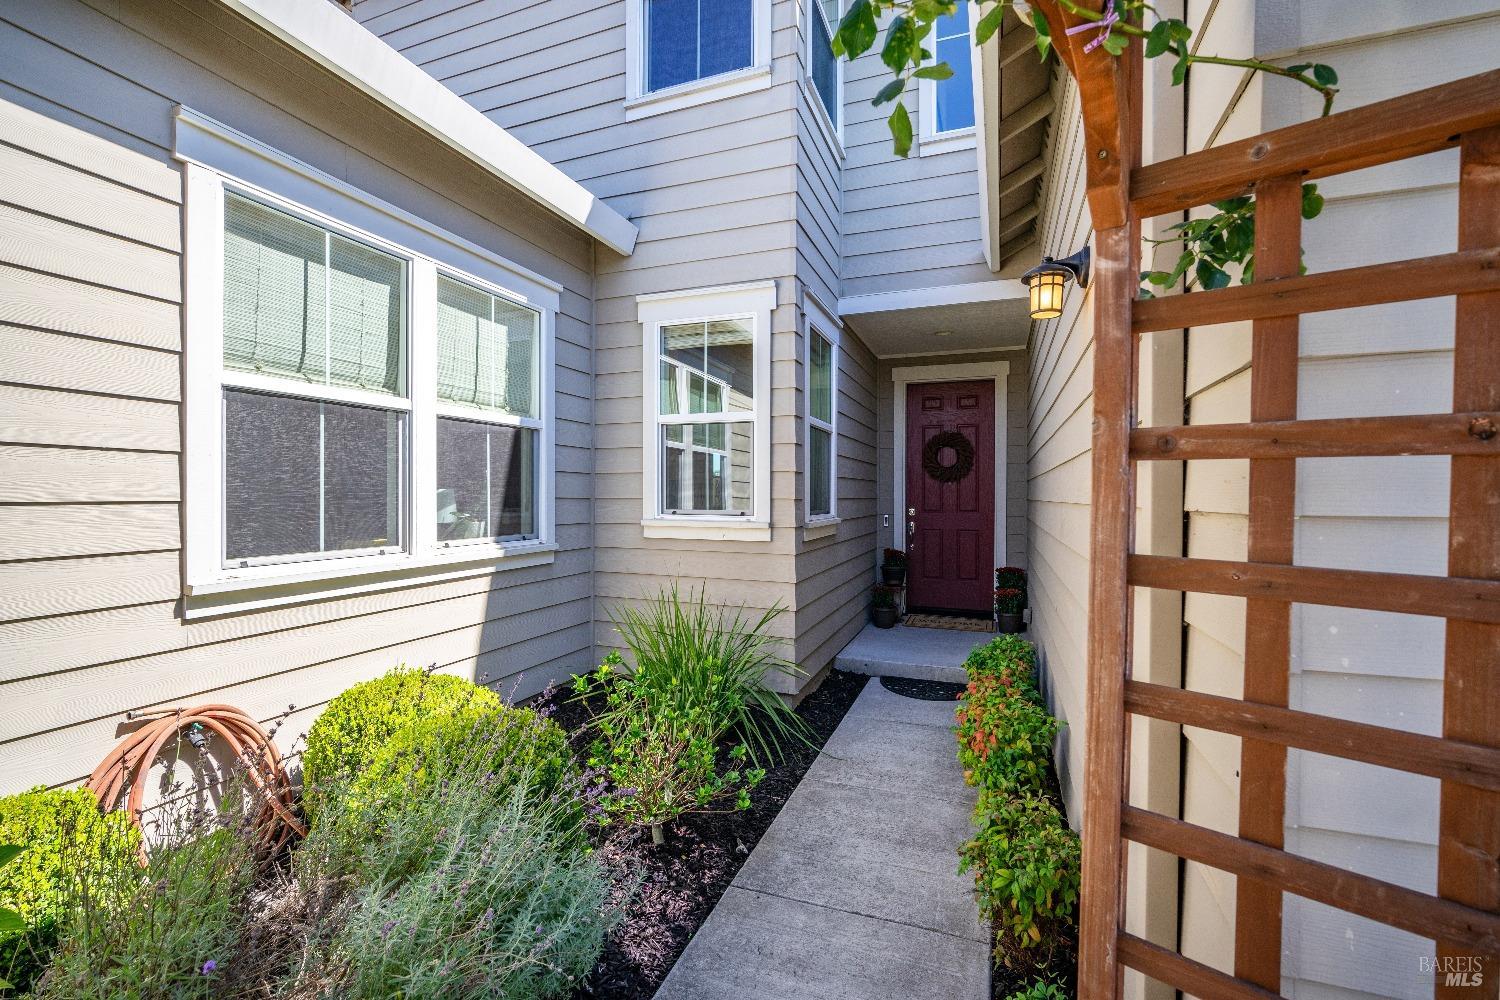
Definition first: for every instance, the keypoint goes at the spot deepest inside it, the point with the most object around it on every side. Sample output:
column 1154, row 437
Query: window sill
column 821, row 527
column 933, row 145
column 269, row 586
column 714, row 529
column 687, row 95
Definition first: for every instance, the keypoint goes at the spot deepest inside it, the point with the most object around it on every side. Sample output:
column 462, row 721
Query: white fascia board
column 937, row 295
column 334, row 40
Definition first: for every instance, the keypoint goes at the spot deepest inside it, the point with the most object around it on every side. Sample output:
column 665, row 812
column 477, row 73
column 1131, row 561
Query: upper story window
column 824, row 68
column 706, row 443
column 688, row 40
column 366, row 403
column 947, row 106
column 682, row 53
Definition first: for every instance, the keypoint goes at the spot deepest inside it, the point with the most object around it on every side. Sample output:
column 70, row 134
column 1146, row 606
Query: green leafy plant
column 64, row 833
column 882, row 596
column 1213, row 244
column 659, row 756
column 894, row 558
column 354, row 728
column 499, row 745
column 1041, row 990
column 1026, row 867
column 171, row 931
column 712, row 664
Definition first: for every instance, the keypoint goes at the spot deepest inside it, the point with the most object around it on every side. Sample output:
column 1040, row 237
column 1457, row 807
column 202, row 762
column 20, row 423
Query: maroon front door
column 950, row 495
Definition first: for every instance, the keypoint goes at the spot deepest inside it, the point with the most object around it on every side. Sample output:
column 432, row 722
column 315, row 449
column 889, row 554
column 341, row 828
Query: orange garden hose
column 122, row 773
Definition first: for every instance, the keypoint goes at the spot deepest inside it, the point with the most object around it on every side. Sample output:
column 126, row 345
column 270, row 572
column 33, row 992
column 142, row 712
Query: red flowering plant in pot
column 1009, row 603
column 893, row 568
column 1015, row 578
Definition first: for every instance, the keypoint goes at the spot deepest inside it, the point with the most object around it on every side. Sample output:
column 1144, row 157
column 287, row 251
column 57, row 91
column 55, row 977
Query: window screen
column 485, row 476
column 955, row 95
column 819, row 470
column 486, row 350
column 689, row 40
column 707, row 468
column 303, row 476
column 305, row 303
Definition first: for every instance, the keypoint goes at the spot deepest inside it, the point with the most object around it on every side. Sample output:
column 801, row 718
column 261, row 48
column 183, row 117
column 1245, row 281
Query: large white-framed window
column 947, row 106
column 825, row 71
column 368, row 399
column 706, row 412
column 685, row 52
column 821, row 337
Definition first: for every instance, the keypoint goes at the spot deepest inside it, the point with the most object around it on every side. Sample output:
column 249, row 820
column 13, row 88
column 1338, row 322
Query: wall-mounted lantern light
column 1047, row 279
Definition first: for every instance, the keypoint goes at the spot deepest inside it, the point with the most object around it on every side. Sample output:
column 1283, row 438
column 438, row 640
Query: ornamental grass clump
column 1024, row 859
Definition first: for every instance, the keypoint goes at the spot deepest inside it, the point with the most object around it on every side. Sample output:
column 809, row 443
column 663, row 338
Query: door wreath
column 963, row 460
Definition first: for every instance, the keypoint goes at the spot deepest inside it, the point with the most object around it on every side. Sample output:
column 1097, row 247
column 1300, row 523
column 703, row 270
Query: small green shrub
column 1041, row 990
column 1008, row 659
column 465, row 896
column 63, row 833
column 495, row 745
column 173, row 933
column 660, row 759
column 356, row 725
column 1025, row 863
column 1004, row 739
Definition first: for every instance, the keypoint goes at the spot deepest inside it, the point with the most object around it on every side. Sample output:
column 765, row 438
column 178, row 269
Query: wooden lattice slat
column 1396, row 129
column 1475, row 433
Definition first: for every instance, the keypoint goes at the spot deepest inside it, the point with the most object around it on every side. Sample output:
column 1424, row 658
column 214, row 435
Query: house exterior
column 429, row 331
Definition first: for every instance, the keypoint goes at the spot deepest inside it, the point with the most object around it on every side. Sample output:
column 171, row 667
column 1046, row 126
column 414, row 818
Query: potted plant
column 1015, row 578
column 1008, row 605
column 884, row 611
column 893, row 568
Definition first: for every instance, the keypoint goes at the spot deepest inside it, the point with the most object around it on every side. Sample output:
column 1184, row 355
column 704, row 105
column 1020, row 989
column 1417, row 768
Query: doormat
column 954, row 622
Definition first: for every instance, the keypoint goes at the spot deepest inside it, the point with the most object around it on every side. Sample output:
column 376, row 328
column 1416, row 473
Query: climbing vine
column 1210, row 245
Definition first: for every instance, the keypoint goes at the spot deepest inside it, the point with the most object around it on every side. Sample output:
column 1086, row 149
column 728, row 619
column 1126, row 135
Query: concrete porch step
column 926, row 654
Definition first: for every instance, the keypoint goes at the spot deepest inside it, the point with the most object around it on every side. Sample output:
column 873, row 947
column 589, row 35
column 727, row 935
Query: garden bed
column 682, row 880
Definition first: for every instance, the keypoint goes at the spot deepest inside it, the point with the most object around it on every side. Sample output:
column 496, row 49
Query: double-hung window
column 368, row 397
column 680, row 53
column 947, row 106
column 824, row 68
column 706, row 440
column 822, row 363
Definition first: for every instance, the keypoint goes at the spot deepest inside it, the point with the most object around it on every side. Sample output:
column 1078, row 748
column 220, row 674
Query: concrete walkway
column 928, row 654
column 854, row 892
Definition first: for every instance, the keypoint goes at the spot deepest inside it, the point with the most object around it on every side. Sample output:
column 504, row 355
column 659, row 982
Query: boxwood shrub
column 65, row 837
column 355, row 727
column 1023, row 857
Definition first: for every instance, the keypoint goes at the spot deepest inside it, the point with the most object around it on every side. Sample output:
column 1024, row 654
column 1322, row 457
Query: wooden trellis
column 1464, row 918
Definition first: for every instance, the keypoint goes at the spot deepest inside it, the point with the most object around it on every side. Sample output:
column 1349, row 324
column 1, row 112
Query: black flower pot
column 1011, row 623
column 893, row 576
column 884, row 617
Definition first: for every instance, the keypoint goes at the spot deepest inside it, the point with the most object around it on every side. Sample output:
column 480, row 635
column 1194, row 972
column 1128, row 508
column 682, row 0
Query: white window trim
column 998, row 371
column 216, row 157
column 641, row 103
column 820, row 320
column 833, row 131
column 755, row 301
column 931, row 142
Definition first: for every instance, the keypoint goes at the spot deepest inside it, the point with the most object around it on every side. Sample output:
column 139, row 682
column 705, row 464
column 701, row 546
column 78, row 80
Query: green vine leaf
column 900, row 123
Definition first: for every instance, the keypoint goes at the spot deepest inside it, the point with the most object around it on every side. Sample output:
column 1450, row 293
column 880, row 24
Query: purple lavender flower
column 208, row 968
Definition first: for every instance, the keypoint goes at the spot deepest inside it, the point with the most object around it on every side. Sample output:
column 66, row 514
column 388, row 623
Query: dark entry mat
column 922, row 690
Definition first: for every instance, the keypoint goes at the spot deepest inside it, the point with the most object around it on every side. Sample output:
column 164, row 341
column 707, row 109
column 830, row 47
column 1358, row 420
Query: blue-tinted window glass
column 825, row 66
column 688, row 40
column 955, row 95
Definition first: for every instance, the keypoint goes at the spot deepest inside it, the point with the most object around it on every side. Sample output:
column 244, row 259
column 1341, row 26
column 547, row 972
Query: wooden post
column 1268, row 623
column 1469, row 823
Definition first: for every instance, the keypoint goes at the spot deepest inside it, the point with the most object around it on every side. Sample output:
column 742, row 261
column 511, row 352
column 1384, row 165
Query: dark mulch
column 682, row 880
column 923, row 690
